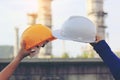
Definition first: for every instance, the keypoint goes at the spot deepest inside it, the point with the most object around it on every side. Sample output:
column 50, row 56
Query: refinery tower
column 96, row 13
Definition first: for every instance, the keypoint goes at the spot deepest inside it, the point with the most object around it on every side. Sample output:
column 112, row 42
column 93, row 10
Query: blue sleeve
column 109, row 58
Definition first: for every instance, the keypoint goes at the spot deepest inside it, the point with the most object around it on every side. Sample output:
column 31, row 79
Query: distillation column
column 32, row 18
column 16, row 46
column 44, row 17
column 96, row 13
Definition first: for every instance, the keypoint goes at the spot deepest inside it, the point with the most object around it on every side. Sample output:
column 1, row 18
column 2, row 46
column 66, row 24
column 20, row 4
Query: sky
column 13, row 13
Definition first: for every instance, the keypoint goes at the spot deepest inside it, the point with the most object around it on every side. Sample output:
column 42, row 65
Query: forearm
column 109, row 58
column 6, row 73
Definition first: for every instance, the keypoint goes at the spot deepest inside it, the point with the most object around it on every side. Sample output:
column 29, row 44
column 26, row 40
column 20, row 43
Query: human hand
column 37, row 48
column 98, row 38
column 23, row 52
column 36, row 51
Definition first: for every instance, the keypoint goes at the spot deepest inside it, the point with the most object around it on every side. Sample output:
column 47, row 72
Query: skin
column 7, row 72
column 108, row 57
column 98, row 38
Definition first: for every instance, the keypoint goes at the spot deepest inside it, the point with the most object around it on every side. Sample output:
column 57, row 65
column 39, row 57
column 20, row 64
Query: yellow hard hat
column 35, row 35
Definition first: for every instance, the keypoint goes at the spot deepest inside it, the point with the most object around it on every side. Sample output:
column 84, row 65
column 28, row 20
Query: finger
column 32, row 51
column 32, row 54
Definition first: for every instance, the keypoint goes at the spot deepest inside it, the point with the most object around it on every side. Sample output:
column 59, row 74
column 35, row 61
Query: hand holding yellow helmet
column 36, row 34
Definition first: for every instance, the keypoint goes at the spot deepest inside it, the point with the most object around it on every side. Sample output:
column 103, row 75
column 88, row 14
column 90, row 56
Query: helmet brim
column 57, row 34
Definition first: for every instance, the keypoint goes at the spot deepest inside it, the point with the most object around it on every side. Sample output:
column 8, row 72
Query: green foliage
column 86, row 54
column 117, row 53
column 65, row 55
column 52, row 56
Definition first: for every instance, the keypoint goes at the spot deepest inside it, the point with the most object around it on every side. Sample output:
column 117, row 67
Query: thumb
column 23, row 44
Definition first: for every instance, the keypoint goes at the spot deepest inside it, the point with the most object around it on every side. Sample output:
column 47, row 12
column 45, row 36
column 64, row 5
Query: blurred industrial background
column 46, row 66
column 95, row 12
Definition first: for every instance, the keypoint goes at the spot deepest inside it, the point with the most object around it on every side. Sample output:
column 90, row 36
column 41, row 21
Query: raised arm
column 6, row 73
column 107, row 55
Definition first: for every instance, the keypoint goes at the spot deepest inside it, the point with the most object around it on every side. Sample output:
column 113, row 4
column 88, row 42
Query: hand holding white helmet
column 77, row 28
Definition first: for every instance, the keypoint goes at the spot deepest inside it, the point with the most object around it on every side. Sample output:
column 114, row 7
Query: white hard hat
column 76, row 28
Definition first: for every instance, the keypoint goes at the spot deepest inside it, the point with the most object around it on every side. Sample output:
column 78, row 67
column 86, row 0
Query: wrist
column 95, row 43
column 19, row 56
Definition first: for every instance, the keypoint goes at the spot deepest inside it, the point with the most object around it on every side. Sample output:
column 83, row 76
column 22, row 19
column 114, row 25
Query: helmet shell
column 77, row 28
column 35, row 35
